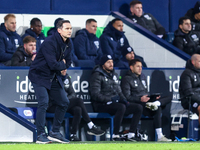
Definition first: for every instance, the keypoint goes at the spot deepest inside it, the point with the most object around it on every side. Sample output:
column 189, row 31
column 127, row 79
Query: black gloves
column 115, row 99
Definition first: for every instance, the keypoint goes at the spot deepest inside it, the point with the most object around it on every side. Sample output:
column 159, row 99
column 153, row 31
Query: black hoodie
column 188, row 43
column 104, row 85
column 190, row 83
column 21, row 58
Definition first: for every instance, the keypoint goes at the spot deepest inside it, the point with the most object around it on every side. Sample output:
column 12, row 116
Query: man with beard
column 25, row 54
column 113, row 40
column 107, row 97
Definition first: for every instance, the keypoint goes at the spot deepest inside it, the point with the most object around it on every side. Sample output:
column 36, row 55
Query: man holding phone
column 134, row 88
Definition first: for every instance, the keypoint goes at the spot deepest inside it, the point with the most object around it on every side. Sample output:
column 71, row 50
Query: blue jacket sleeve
column 105, row 45
column 4, row 56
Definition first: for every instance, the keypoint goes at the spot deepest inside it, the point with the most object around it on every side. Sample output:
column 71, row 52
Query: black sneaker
column 95, row 131
column 74, row 138
column 133, row 139
column 57, row 137
column 42, row 139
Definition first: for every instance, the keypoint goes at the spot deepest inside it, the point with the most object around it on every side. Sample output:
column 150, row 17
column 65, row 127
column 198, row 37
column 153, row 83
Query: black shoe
column 57, row 137
column 74, row 138
column 42, row 139
column 95, row 131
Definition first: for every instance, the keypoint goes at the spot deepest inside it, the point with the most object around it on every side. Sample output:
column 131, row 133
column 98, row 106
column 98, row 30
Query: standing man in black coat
column 46, row 74
column 25, row 54
column 134, row 87
column 190, row 84
column 186, row 39
column 107, row 97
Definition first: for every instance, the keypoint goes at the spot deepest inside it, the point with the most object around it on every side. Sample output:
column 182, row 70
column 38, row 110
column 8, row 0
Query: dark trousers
column 119, row 110
column 77, row 109
column 59, row 95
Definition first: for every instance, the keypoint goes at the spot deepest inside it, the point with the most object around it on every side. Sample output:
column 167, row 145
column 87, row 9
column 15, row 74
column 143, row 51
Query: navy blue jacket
column 9, row 42
column 87, row 46
column 48, row 62
column 51, row 31
column 39, row 39
column 112, row 42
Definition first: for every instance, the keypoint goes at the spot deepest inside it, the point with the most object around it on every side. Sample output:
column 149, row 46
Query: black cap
column 197, row 7
column 104, row 59
column 127, row 49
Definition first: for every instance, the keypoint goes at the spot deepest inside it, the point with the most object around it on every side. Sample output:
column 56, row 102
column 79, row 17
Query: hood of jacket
column 114, row 33
column 85, row 33
column 189, row 65
column 8, row 33
column 32, row 33
column 21, row 49
column 179, row 32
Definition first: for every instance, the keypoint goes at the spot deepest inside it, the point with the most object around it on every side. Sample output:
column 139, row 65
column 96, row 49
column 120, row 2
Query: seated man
column 185, row 39
column 194, row 16
column 35, row 31
column 54, row 29
column 190, row 84
column 77, row 109
column 25, row 54
column 134, row 88
column 9, row 39
column 146, row 20
column 86, row 44
column 107, row 97
column 113, row 39
column 128, row 54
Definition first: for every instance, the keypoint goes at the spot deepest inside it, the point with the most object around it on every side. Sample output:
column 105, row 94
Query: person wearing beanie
column 194, row 15
column 128, row 54
column 145, row 20
column 107, row 97
column 54, row 29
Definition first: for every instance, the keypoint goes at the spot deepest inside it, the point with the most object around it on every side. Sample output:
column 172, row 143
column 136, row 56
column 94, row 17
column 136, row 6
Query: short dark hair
column 34, row 20
column 180, row 21
column 61, row 22
column 114, row 20
column 134, row 61
column 90, row 20
column 134, row 2
column 28, row 39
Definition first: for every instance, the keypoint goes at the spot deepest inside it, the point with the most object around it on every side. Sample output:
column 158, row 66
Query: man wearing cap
column 194, row 15
column 107, row 97
column 128, row 54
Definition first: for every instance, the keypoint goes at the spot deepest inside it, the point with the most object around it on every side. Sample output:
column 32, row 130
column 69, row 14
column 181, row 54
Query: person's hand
column 158, row 97
column 115, row 99
column 64, row 61
column 33, row 57
column 125, row 102
column 64, row 72
column 145, row 98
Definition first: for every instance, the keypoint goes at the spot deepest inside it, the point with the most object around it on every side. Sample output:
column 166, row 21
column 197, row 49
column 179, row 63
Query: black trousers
column 119, row 110
column 59, row 95
column 77, row 109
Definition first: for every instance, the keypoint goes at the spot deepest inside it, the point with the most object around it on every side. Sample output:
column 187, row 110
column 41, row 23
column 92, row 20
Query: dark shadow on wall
column 159, row 84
